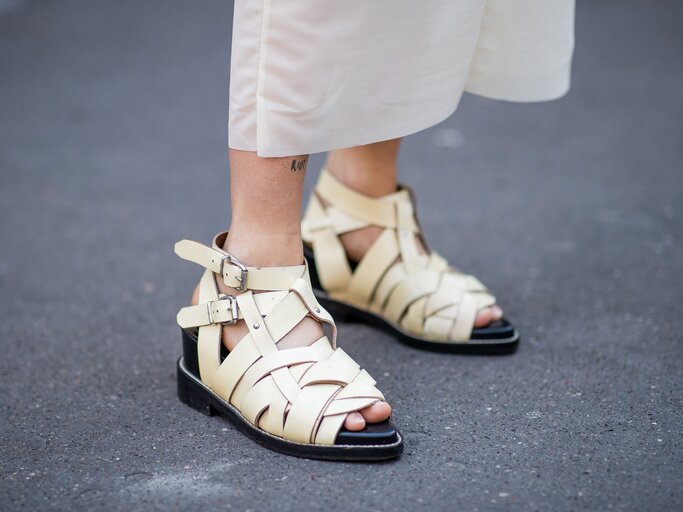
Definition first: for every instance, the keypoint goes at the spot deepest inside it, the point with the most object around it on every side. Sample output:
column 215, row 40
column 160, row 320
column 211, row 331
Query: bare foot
column 305, row 333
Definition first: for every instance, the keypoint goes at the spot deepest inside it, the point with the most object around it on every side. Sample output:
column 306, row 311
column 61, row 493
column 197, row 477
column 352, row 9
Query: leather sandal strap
column 374, row 211
column 234, row 273
column 225, row 310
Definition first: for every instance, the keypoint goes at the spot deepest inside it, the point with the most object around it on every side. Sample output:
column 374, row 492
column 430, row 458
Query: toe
column 488, row 315
column 484, row 317
column 354, row 422
column 379, row 411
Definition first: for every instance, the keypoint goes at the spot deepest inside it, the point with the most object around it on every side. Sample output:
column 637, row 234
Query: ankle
column 265, row 249
column 374, row 178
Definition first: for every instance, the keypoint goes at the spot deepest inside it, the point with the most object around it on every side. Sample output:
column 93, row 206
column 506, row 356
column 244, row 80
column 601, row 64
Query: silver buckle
column 232, row 304
column 231, row 260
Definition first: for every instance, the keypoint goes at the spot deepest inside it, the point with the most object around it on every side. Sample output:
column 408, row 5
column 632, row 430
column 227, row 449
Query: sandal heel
column 190, row 357
column 190, row 393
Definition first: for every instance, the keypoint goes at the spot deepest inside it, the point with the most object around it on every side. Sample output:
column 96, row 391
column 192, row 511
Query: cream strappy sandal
column 295, row 400
column 417, row 297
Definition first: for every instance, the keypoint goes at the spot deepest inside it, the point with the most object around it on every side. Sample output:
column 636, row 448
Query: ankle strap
column 234, row 273
column 391, row 211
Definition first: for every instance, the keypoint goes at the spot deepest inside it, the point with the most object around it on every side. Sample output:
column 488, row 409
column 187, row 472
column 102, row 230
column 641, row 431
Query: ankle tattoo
column 298, row 165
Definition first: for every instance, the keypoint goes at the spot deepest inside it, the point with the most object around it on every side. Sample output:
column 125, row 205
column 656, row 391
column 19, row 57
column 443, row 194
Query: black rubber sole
column 498, row 338
column 383, row 432
column 348, row 313
column 194, row 393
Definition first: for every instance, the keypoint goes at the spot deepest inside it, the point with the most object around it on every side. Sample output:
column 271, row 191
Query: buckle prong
column 231, row 260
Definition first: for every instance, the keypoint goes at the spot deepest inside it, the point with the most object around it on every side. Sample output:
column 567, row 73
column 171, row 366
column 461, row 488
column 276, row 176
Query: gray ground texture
column 112, row 147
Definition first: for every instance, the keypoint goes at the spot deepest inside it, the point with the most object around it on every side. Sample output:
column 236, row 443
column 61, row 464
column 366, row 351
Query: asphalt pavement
column 113, row 146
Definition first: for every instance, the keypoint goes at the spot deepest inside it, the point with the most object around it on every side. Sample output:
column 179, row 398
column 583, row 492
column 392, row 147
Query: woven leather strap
column 301, row 394
column 420, row 292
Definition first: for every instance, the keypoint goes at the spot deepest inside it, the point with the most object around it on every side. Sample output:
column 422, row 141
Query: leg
column 372, row 170
column 265, row 230
column 266, row 195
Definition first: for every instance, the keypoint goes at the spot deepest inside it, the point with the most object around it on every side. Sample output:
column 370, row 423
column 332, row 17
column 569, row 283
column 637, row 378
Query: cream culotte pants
column 312, row 75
